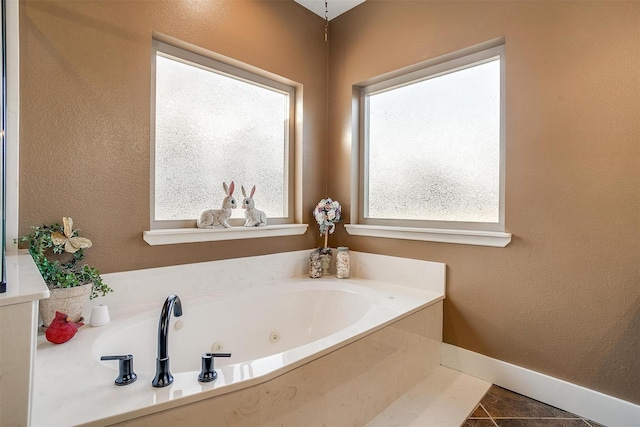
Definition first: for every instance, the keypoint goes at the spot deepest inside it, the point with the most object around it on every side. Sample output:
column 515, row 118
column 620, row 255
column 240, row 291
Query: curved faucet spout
column 163, row 375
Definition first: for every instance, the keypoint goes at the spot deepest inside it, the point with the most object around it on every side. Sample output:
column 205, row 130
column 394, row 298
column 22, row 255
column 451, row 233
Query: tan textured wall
column 85, row 88
column 564, row 297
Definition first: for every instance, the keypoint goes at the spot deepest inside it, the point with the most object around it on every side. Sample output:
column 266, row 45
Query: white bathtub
column 271, row 320
column 269, row 329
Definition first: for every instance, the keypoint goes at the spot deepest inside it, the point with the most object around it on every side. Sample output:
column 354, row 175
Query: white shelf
column 464, row 237
column 190, row 235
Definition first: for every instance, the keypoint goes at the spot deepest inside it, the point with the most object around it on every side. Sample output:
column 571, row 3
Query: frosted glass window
column 213, row 127
column 433, row 147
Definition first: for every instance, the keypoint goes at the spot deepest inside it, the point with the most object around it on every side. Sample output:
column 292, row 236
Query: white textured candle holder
column 99, row 315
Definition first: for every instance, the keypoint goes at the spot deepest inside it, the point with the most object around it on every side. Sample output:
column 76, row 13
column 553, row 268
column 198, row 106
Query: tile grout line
column 494, row 419
column 538, row 418
column 490, row 417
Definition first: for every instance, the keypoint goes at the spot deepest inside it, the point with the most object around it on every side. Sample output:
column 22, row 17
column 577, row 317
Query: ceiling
column 334, row 7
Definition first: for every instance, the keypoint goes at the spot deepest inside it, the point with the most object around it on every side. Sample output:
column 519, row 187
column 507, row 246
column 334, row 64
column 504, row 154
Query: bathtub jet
column 163, row 375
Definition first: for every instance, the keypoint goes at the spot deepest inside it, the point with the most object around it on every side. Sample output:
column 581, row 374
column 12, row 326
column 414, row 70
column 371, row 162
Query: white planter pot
column 70, row 301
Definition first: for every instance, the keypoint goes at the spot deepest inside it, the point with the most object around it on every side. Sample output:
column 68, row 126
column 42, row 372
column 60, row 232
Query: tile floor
column 504, row 408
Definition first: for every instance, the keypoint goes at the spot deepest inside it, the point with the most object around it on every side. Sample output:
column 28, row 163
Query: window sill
column 464, row 237
column 191, row 235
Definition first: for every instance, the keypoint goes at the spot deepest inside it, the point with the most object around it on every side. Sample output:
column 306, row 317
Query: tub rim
column 163, row 398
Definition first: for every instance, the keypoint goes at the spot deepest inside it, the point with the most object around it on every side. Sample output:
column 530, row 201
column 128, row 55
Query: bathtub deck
column 445, row 398
column 358, row 370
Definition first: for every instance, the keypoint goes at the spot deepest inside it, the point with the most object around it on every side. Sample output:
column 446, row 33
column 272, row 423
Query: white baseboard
column 596, row 406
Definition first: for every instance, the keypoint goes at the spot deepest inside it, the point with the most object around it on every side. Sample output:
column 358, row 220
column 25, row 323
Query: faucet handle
column 208, row 373
column 126, row 375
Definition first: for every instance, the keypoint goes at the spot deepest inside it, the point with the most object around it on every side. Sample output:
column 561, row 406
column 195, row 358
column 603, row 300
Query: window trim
column 198, row 57
column 475, row 233
column 12, row 127
column 193, row 235
column 497, row 239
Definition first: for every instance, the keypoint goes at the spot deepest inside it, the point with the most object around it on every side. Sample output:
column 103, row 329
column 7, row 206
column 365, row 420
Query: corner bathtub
column 268, row 329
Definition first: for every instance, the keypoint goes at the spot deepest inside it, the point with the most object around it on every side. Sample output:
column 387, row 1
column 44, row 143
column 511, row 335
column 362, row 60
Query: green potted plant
column 57, row 251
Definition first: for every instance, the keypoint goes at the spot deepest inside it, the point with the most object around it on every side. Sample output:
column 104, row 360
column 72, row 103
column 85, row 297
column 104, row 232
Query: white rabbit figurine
column 211, row 218
column 254, row 216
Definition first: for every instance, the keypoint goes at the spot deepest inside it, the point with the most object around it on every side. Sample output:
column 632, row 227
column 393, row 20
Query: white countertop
column 24, row 282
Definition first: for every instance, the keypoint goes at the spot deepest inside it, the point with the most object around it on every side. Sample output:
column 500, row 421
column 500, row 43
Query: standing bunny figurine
column 212, row 218
column 254, row 216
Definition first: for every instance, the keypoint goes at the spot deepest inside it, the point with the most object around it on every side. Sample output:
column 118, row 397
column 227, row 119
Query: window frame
column 478, row 233
column 239, row 71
